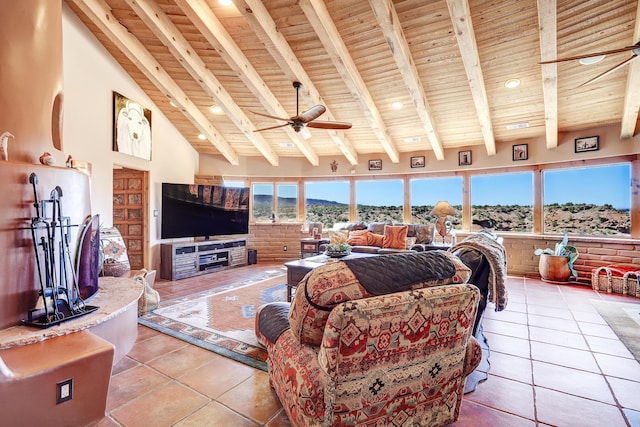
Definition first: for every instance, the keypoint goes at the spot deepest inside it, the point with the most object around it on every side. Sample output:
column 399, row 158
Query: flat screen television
column 192, row 210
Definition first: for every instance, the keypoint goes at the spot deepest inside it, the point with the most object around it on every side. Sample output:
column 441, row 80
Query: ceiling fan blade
column 609, row 71
column 272, row 127
column 269, row 116
column 318, row 124
column 311, row 114
column 591, row 55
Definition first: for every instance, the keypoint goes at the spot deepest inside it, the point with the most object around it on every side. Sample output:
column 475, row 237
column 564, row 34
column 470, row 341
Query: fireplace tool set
column 59, row 298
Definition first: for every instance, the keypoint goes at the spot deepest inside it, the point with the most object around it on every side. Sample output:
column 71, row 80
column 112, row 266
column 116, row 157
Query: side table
column 310, row 247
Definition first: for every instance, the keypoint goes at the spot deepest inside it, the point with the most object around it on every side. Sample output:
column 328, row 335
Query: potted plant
column 338, row 250
column 557, row 265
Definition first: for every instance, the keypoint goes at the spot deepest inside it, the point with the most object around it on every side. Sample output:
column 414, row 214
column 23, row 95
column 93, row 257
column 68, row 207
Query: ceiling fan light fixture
column 305, row 133
column 591, row 60
column 512, row 83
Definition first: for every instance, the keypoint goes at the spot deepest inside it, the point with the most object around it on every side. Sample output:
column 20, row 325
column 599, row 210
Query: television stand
column 188, row 259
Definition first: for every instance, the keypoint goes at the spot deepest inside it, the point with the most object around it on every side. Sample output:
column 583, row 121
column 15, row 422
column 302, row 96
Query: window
column 327, row 202
column 503, row 202
column 594, row 200
column 426, row 192
column 287, row 208
column 380, row 200
column 262, row 202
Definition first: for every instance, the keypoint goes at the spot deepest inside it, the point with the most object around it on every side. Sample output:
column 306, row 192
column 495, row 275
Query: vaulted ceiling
column 445, row 61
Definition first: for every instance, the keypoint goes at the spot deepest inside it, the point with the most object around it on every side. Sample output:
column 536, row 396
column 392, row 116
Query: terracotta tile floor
column 554, row 361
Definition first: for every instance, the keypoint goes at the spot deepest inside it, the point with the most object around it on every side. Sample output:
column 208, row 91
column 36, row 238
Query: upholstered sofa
column 383, row 237
column 374, row 341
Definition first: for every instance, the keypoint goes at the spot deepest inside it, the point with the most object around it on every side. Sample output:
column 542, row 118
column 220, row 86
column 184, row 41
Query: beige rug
column 624, row 319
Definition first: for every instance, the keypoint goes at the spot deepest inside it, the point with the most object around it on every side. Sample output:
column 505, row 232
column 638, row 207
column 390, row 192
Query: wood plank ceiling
column 446, row 61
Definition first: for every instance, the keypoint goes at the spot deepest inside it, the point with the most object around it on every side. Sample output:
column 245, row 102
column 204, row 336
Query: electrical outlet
column 64, row 391
column 284, row 248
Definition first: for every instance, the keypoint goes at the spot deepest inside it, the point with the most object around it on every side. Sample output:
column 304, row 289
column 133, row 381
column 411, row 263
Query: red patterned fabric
column 395, row 236
column 334, row 283
column 390, row 360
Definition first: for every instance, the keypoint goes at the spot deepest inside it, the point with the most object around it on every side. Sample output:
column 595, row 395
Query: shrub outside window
column 588, row 201
column 327, row 202
column 502, row 202
column 380, row 200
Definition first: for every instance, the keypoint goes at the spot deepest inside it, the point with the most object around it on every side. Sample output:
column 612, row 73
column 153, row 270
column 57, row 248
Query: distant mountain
column 292, row 201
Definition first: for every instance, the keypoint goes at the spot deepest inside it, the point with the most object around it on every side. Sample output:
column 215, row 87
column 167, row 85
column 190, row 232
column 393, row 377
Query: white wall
column 91, row 75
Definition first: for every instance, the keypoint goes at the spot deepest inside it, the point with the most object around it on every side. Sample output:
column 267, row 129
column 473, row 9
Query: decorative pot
column 554, row 268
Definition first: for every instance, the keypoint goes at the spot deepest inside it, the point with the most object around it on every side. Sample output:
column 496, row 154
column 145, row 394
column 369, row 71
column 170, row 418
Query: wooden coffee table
column 296, row 270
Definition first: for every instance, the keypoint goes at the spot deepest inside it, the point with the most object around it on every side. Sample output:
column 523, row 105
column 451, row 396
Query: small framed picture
column 520, row 152
column 375, row 165
column 417, row 161
column 464, row 158
column 590, row 143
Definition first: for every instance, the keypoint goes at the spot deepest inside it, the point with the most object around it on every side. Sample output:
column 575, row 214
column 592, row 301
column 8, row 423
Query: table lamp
column 441, row 210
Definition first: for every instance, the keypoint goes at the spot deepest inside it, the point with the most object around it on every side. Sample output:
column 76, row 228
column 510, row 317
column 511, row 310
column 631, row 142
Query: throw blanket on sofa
column 497, row 258
column 398, row 272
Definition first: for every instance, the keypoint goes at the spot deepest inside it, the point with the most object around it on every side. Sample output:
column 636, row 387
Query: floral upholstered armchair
column 374, row 341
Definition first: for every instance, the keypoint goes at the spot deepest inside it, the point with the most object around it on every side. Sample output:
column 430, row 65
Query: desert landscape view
column 577, row 219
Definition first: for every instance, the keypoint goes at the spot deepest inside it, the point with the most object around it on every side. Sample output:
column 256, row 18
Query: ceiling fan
column 598, row 56
column 307, row 119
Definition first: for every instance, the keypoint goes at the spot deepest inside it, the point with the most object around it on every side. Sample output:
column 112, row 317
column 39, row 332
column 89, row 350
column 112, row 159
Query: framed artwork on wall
column 131, row 127
column 464, row 158
column 375, row 165
column 520, row 152
column 417, row 161
column 589, row 143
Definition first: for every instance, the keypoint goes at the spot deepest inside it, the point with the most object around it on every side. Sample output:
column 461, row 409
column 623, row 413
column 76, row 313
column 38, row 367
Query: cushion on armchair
column 334, row 283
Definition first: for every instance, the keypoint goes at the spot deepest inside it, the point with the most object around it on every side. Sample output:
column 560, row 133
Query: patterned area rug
column 222, row 319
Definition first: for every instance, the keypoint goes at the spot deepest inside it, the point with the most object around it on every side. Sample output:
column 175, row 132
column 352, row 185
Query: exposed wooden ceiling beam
column 160, row 24
column 547, row 21
column 100, row 14
column 390, row 25
column 318, row 15
column 463, row 27
column 263, row 25
column 631, row 106
column 199, row 12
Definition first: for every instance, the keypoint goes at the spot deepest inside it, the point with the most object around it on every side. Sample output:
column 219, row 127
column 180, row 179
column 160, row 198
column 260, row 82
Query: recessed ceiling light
column 202, row 136
column 225, row 2
column 512, row 83
column 215, row 109
column 286, row 144
column 396, row 105
column 173, row 104
column 518, row 126
column 591, row 60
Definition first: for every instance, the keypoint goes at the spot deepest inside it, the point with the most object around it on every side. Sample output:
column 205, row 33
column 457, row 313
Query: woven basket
column 618, row 279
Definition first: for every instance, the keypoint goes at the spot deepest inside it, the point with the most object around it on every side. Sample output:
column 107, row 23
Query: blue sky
column 596, row 185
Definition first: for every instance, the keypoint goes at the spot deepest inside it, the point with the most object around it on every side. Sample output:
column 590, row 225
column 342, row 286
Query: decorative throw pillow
column 338, row 236
column 395, row 237
column 375, row 240
column 358, row 238
column 377, row 227
column 424, row 234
